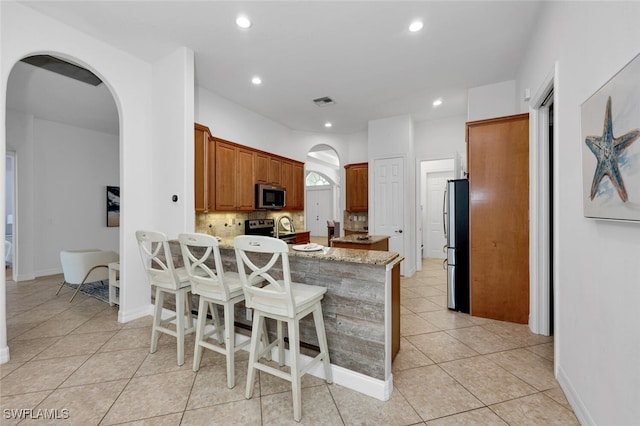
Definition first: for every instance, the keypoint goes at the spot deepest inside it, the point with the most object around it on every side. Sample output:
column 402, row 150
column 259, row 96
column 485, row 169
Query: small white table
column 114, row 282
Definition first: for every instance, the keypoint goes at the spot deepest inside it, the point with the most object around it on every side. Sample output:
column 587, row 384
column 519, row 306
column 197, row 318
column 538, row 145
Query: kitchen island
column 363, row 242
column 361, row 311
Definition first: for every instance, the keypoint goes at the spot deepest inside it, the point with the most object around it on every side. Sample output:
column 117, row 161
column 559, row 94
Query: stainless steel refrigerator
column 456, row 229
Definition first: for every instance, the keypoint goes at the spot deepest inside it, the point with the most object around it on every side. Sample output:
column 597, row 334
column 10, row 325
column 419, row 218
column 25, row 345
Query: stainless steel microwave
column 270, row 197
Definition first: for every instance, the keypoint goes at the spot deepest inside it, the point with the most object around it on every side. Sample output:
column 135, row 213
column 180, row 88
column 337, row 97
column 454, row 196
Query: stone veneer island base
column 361, row 311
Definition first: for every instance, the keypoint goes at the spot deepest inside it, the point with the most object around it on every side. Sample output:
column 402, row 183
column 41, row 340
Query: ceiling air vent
column 65, row 68
column 324, row 101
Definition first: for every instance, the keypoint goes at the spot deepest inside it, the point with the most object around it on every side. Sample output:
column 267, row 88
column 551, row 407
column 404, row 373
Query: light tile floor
column 452, row 369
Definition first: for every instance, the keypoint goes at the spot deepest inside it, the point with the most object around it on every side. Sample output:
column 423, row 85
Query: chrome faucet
column 277, row 230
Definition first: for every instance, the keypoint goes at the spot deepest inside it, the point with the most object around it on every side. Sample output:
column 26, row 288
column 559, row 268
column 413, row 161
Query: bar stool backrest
column 206, row 280
column 276, row 295
column 157, row 259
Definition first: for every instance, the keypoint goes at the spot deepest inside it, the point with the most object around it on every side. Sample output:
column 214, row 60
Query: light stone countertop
column 370, row 257
column 359, row 239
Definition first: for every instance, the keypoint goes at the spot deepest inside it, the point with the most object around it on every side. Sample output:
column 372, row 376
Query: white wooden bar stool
column 215, row 287
column 284, row 301
column 158, row 262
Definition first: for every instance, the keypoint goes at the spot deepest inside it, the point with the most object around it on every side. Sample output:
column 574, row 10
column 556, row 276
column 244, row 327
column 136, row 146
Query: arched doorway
column 63, row 130
column 322, row 189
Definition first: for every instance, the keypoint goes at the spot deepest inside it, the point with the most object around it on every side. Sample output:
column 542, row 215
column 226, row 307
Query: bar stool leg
column 294, row 349
column 157, row 319
column 200, row 324
column 229, row 343
column 322, row 342
column 180, row 324
column 258, row 321
column 280, row 344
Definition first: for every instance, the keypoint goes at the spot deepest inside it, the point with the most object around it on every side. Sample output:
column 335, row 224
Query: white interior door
column 388, row 176
column 318, row 208
column 434, row 231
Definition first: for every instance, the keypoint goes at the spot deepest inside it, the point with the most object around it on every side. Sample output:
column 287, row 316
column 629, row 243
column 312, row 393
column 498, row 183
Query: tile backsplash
column 231, row 224
column 356, row 221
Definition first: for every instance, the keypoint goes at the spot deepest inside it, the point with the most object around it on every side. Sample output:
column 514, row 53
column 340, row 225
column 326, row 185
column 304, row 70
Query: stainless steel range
column 259, row 227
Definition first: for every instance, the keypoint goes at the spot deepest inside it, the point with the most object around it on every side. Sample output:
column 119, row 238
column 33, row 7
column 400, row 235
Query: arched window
column 314, row 179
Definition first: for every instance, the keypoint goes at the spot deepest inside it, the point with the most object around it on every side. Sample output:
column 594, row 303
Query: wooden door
column 498, row 158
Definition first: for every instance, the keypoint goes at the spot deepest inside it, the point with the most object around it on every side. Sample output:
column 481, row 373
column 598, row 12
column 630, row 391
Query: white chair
column 215, row 287
column 158, row 262
column 284, row 301
column 85, row 266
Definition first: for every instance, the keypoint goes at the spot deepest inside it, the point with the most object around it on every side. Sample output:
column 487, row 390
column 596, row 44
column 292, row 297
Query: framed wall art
column 113, row 206
column 610, row 126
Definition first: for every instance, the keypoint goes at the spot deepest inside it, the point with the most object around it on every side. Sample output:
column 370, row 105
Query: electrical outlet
column 248, row 314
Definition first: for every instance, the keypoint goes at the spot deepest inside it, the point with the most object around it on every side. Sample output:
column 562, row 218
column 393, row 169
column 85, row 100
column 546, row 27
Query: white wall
column 492, row 100
column 598, row 262
column 71, row 169
column 441, row 138
column 230, row 121
column 173, row 163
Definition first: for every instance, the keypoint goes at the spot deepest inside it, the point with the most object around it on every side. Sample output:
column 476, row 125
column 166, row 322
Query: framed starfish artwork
column 610, row 122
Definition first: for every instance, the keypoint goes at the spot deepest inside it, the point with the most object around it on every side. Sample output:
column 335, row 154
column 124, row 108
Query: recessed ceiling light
column 416, row 26
column 327, row 124
column 243, row 22
column 256, row 80
column 437, row 102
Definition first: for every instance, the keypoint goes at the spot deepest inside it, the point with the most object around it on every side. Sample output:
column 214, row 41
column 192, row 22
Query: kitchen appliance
column 456, row 230
column 259, row 227
column 270, row 197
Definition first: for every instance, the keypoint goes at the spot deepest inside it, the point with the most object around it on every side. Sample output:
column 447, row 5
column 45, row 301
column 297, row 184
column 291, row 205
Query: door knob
column 399, row 231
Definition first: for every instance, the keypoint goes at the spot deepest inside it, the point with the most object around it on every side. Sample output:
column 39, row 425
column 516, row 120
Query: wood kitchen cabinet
column 293, row 182
column 262, row 162
column 357, row 183
column 226, row 174
column 275, row 171
column 204, row 160
column 302, row 237
column 234, row 177
column 297, row 203
column 498, row 159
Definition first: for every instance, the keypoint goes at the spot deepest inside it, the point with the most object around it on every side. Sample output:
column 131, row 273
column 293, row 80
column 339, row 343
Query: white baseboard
column 375, row 388
column 579, row 408
column 4, row 355
column 25, row 277
column 134, row 314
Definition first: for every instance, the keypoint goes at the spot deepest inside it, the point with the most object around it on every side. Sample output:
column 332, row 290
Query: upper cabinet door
column 226, row 173
column 262, row 162
column 275, row 171
column 201, row 168
column 357, row 182
column 245, row 183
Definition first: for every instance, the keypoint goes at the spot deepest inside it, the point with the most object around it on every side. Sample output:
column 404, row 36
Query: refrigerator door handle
column 444, row 211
